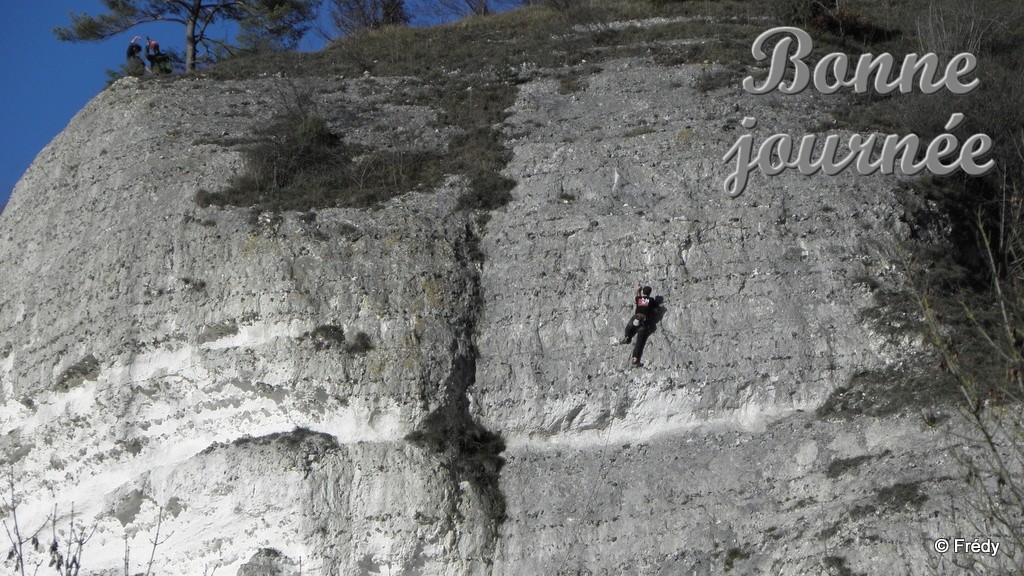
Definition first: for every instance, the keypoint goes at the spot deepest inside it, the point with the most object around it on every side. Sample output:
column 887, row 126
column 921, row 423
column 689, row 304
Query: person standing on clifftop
column 159, row 62
column 642, row 323
column 135, row 65
column 134, row 51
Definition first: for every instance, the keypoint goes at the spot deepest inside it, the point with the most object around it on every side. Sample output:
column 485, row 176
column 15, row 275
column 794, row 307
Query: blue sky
column 45, row 81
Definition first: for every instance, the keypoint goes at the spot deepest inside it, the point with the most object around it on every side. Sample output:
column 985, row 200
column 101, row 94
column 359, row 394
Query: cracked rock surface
column 194, row 367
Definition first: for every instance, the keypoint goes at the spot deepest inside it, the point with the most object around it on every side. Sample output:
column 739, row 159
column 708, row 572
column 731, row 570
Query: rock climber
column 641, row 324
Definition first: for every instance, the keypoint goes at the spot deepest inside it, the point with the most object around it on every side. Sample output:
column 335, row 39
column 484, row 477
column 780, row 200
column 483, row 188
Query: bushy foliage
column 133, row 68
column 968, row 283
column 351, row 16
column 274, row 25
column 300, row 164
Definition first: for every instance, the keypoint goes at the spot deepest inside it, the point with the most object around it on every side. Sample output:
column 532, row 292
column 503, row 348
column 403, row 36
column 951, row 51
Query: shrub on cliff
column 298, row 163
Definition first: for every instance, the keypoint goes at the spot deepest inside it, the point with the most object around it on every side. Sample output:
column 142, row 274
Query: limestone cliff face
column 208, row 369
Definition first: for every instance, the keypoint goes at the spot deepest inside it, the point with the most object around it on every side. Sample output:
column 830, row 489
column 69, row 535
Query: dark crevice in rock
column 87, row 368
column 470, row 453
column 467, row 450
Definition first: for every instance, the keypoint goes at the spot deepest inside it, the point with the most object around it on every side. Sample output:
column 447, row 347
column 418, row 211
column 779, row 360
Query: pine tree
column 349, row 16
column 279, row 23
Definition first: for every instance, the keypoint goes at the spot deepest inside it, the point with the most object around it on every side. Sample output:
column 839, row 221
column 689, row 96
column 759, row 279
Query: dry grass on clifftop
column 468, row 72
